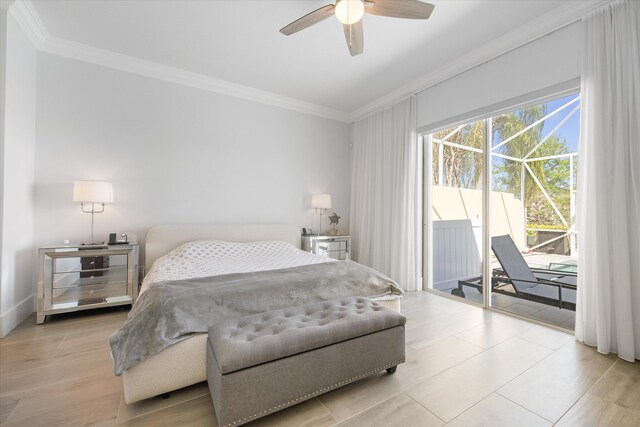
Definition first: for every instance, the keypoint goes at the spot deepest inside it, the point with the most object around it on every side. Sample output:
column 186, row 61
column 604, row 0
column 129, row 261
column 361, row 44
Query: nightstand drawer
column 337, row 250
column 330, row 246
column 72, row 286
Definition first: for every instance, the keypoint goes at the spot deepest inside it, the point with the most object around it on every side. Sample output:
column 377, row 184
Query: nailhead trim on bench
column 315, row 393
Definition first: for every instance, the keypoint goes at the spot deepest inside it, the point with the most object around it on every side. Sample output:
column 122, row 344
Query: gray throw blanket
column 169, row 312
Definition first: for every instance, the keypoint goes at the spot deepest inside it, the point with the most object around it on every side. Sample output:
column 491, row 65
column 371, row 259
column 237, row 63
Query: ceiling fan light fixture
column 349, row 11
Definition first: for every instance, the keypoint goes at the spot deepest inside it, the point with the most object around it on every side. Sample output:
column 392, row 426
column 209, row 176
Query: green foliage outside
column 544, row 227
column 463, row 168
column 548, row 227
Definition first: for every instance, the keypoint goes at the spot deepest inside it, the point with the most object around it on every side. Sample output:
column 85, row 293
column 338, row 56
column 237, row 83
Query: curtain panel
column 608, row 309
column 386, row 194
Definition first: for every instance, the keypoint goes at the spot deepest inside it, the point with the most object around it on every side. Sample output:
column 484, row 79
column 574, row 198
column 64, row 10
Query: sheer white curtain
column 386, row 194
column 608, row 311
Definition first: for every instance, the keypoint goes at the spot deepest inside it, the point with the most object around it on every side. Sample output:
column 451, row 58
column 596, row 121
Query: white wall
column 507, row 212
column 540, row 64
column 18, row 256
column 3, row 73
column 176, row 155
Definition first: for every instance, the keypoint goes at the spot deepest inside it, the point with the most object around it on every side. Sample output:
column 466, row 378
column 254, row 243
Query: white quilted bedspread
column 205, row 258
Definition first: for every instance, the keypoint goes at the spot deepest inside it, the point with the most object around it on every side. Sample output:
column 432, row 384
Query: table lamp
column 95, row 194
column 321, row 202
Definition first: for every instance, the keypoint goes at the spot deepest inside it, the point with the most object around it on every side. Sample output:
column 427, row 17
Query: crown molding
column 29, row 21
column 118, row 61
column 552, row 21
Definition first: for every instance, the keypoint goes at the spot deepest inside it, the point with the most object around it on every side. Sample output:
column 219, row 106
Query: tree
column 463, row 168
column 552, row 173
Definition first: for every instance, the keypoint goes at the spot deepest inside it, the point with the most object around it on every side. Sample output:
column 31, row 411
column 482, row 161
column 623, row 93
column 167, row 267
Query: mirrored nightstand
column 83, row 277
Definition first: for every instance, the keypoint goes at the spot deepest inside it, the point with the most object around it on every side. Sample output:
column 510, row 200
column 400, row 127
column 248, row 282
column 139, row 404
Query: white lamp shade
column 93, row 192
column 321, row 201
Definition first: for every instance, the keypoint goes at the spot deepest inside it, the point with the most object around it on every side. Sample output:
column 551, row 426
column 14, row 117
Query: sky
column 571, row 129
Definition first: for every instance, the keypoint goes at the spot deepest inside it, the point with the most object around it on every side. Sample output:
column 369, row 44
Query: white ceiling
column 238, row 41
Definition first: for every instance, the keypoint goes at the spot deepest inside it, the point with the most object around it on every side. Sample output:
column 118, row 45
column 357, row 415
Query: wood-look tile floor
column 465, row 366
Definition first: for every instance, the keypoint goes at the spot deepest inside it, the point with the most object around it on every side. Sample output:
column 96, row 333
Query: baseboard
column 16, row 314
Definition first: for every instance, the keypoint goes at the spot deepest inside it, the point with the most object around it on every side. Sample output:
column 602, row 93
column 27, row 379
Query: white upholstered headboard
column 163, row 238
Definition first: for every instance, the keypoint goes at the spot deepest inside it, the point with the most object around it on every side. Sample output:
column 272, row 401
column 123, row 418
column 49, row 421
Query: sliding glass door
column 455, row 182
column 502, row 189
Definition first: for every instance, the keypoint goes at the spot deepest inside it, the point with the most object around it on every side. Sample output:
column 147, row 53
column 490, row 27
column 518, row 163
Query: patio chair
column 518, row 280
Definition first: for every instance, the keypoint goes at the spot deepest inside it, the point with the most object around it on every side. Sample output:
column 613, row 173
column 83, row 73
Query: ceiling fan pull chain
column 348, row 13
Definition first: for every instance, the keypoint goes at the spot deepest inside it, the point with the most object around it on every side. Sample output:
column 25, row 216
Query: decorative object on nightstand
column 82, row 277
column 336, row 247
column 321, row 202
column 113, row 240
column 95, row 193
column 333, row 222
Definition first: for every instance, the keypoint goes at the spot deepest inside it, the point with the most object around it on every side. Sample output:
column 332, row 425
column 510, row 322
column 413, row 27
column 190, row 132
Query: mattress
column 206, row 258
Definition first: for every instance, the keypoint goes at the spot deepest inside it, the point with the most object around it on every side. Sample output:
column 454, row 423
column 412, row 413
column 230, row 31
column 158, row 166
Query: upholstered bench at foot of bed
column 180, row 365
column 260, row 364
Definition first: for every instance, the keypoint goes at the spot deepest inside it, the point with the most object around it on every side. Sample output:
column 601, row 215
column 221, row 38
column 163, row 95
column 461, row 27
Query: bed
column 183, row 364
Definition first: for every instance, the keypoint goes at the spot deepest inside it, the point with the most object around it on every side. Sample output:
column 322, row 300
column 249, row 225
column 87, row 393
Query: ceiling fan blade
column 355, row 38
column 308, row 20
column 410, row 9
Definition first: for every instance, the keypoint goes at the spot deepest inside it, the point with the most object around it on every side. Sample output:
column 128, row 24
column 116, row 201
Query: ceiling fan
column 350, row 12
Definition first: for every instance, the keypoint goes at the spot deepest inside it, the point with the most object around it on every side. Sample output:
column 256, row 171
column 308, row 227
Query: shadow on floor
column 552, row 315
